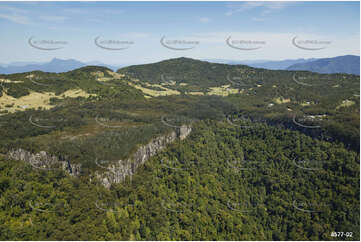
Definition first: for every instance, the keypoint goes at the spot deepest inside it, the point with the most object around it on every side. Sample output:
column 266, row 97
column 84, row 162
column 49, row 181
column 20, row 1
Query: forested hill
column 290, row 98
column 196, row 74
column 189, row 70
column 271, row 155
column 91, row 80
column 332, row 99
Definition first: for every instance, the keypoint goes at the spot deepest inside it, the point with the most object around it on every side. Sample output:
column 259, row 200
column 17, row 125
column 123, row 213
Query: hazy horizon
column 118, row 33
column 96, row 62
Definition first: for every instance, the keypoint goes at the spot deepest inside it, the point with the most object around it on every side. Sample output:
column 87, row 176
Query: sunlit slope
column 190, row 76
column 42, row 90
column 295, row 98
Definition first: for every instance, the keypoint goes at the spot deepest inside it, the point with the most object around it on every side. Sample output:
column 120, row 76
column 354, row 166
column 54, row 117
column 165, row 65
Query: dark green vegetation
column 223, row 183
column 242, row 174
column 291, row 93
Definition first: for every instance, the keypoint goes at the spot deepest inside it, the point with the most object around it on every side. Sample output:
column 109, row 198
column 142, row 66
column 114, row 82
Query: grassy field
column 36, row 100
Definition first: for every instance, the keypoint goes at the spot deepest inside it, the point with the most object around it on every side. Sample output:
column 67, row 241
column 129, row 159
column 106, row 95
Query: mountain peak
column 181, row 59
column 349, row 64
column 92, row 69
column 58, row 60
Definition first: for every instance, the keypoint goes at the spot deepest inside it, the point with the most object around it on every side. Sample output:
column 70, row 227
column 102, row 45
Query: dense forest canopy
column 273, row 155
column 224, row 183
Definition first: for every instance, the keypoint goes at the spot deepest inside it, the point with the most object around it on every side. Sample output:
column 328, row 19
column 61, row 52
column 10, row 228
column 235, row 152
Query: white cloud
column 53, row 18
column 112, row 11
column 267, row 7
column 12, row 9
column 258, row 19
column 15, row 18
column 76, row 11
column 135, row 35
column 204, row 20
column 277, row 45
column 100, row 11
column 16, row 15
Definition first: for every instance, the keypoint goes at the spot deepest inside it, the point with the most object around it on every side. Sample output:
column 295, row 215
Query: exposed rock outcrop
column 112, row 173
column 118, row 171
column 45, row 161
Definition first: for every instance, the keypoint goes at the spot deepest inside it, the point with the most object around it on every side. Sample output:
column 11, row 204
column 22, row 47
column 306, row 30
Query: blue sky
column 264, row 29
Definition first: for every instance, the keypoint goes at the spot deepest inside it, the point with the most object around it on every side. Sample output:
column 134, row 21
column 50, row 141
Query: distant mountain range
column 266, row 64
column 349, row 64
column 55, row 65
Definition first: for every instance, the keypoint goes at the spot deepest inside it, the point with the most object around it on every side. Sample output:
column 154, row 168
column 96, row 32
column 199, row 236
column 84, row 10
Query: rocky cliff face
column 117, row 172
column 45, row 161
column 112, row 173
